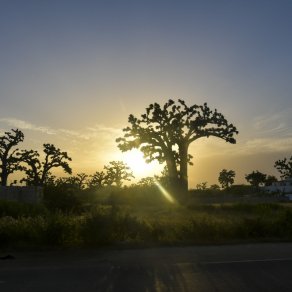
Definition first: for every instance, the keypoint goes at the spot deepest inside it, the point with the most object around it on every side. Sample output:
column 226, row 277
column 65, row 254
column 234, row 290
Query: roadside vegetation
column 141, row 216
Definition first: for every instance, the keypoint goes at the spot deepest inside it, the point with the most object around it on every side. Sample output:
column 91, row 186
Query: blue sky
column 72, row 71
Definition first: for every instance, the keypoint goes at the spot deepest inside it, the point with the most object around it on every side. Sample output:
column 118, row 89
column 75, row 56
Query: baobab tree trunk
column 172, row 171
column 183, row 167
column 4, row 173
column 4, row 177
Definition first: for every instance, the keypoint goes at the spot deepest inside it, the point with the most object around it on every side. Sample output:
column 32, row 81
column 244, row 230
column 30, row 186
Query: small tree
column 256, row 178
column 214, row 187
column 97, row 180
column 284, row 167
column 226, row 178
column 270, row 179
column 117, row 172
column 148, row 181
column 81, row 180
column 37, row 172
column 78, row 181
column 202, row 186
column 10, row 158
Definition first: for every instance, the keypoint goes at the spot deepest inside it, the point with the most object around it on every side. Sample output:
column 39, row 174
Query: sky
column 71, row 72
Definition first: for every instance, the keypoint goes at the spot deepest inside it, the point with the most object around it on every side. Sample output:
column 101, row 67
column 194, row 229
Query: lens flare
column 165, row 193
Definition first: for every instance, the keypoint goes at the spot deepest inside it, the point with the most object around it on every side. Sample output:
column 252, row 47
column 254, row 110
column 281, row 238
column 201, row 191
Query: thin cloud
column 87, row 133
column 93, row 132
column 276, row 123
column 23, row 125
column 269, row 145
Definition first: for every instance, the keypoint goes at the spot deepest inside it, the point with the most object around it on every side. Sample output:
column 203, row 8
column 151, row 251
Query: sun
column 135, row 160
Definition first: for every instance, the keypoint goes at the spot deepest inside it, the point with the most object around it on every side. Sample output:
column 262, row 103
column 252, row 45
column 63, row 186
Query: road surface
column 249, row 267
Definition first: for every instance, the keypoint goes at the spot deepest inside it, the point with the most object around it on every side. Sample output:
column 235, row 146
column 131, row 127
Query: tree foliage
column 226, row 178
column 148, row 181
column 38, row 172
column 202, row 186
column 10, row 157
column 117, row 172
column 97, row 180
column 256, row 178
column 164, row 133
column 284, row 166
column 270, row 179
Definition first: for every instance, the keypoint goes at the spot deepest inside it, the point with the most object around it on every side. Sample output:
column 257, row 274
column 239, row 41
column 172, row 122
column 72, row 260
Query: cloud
column 208, row 148
column 87, row 133
column 269, row 145
column 23, row 125
column 274, row 124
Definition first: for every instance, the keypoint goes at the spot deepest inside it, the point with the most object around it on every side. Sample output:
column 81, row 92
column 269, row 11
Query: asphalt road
column 251, row 267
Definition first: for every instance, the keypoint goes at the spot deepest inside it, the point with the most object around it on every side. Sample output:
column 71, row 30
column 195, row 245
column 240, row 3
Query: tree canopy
column 256, row 178
column 226, row 178
column 117, row 172
column 164, row 133
column 10, row 157
column 37, row 172
column 284, row 166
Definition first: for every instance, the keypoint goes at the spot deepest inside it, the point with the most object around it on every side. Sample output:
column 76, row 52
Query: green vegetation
column 141, row 216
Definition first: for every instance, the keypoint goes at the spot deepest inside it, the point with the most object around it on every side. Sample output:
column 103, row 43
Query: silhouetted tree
column 214, row 187
column 284, row 167
column 117, row 172
column 256, row 178
column 226, row 178
column 97, row 180
column 202, row 186
column 10, row 158
column 79, row 181
column 147, row 181
column 270, row 179
column 164, row 133
column 37, row 172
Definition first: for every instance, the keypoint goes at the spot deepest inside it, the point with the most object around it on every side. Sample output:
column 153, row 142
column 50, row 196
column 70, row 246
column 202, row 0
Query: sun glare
column 135, row 160
column 165, row 193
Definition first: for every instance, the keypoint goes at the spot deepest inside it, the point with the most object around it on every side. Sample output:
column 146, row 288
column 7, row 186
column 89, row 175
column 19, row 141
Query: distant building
column 23, row 194
column 283, row 186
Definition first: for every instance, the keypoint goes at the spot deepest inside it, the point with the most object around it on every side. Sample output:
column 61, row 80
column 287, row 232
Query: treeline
column 255, row 178
column 163, row 133
column 37, row 172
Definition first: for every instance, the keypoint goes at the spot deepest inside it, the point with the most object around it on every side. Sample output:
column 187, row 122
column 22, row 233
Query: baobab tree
column 116, row 173
column 97, row 180
column 37, row 172
column 164, row 133
column 10, row 157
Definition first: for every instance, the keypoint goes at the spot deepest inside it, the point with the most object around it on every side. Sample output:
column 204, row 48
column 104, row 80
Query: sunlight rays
column 165, row 193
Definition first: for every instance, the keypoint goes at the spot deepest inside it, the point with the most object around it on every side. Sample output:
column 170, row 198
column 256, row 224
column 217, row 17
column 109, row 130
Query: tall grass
column 112, row 225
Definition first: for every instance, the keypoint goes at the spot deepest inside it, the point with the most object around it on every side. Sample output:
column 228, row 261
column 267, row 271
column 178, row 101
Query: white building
column 283, row 186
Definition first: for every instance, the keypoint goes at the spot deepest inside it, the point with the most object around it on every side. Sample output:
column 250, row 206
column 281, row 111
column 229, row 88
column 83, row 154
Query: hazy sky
column 72, row 71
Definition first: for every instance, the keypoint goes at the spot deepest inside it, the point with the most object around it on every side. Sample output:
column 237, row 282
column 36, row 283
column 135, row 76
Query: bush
column 16, row 209
column 109, row 225
column 63, row 198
